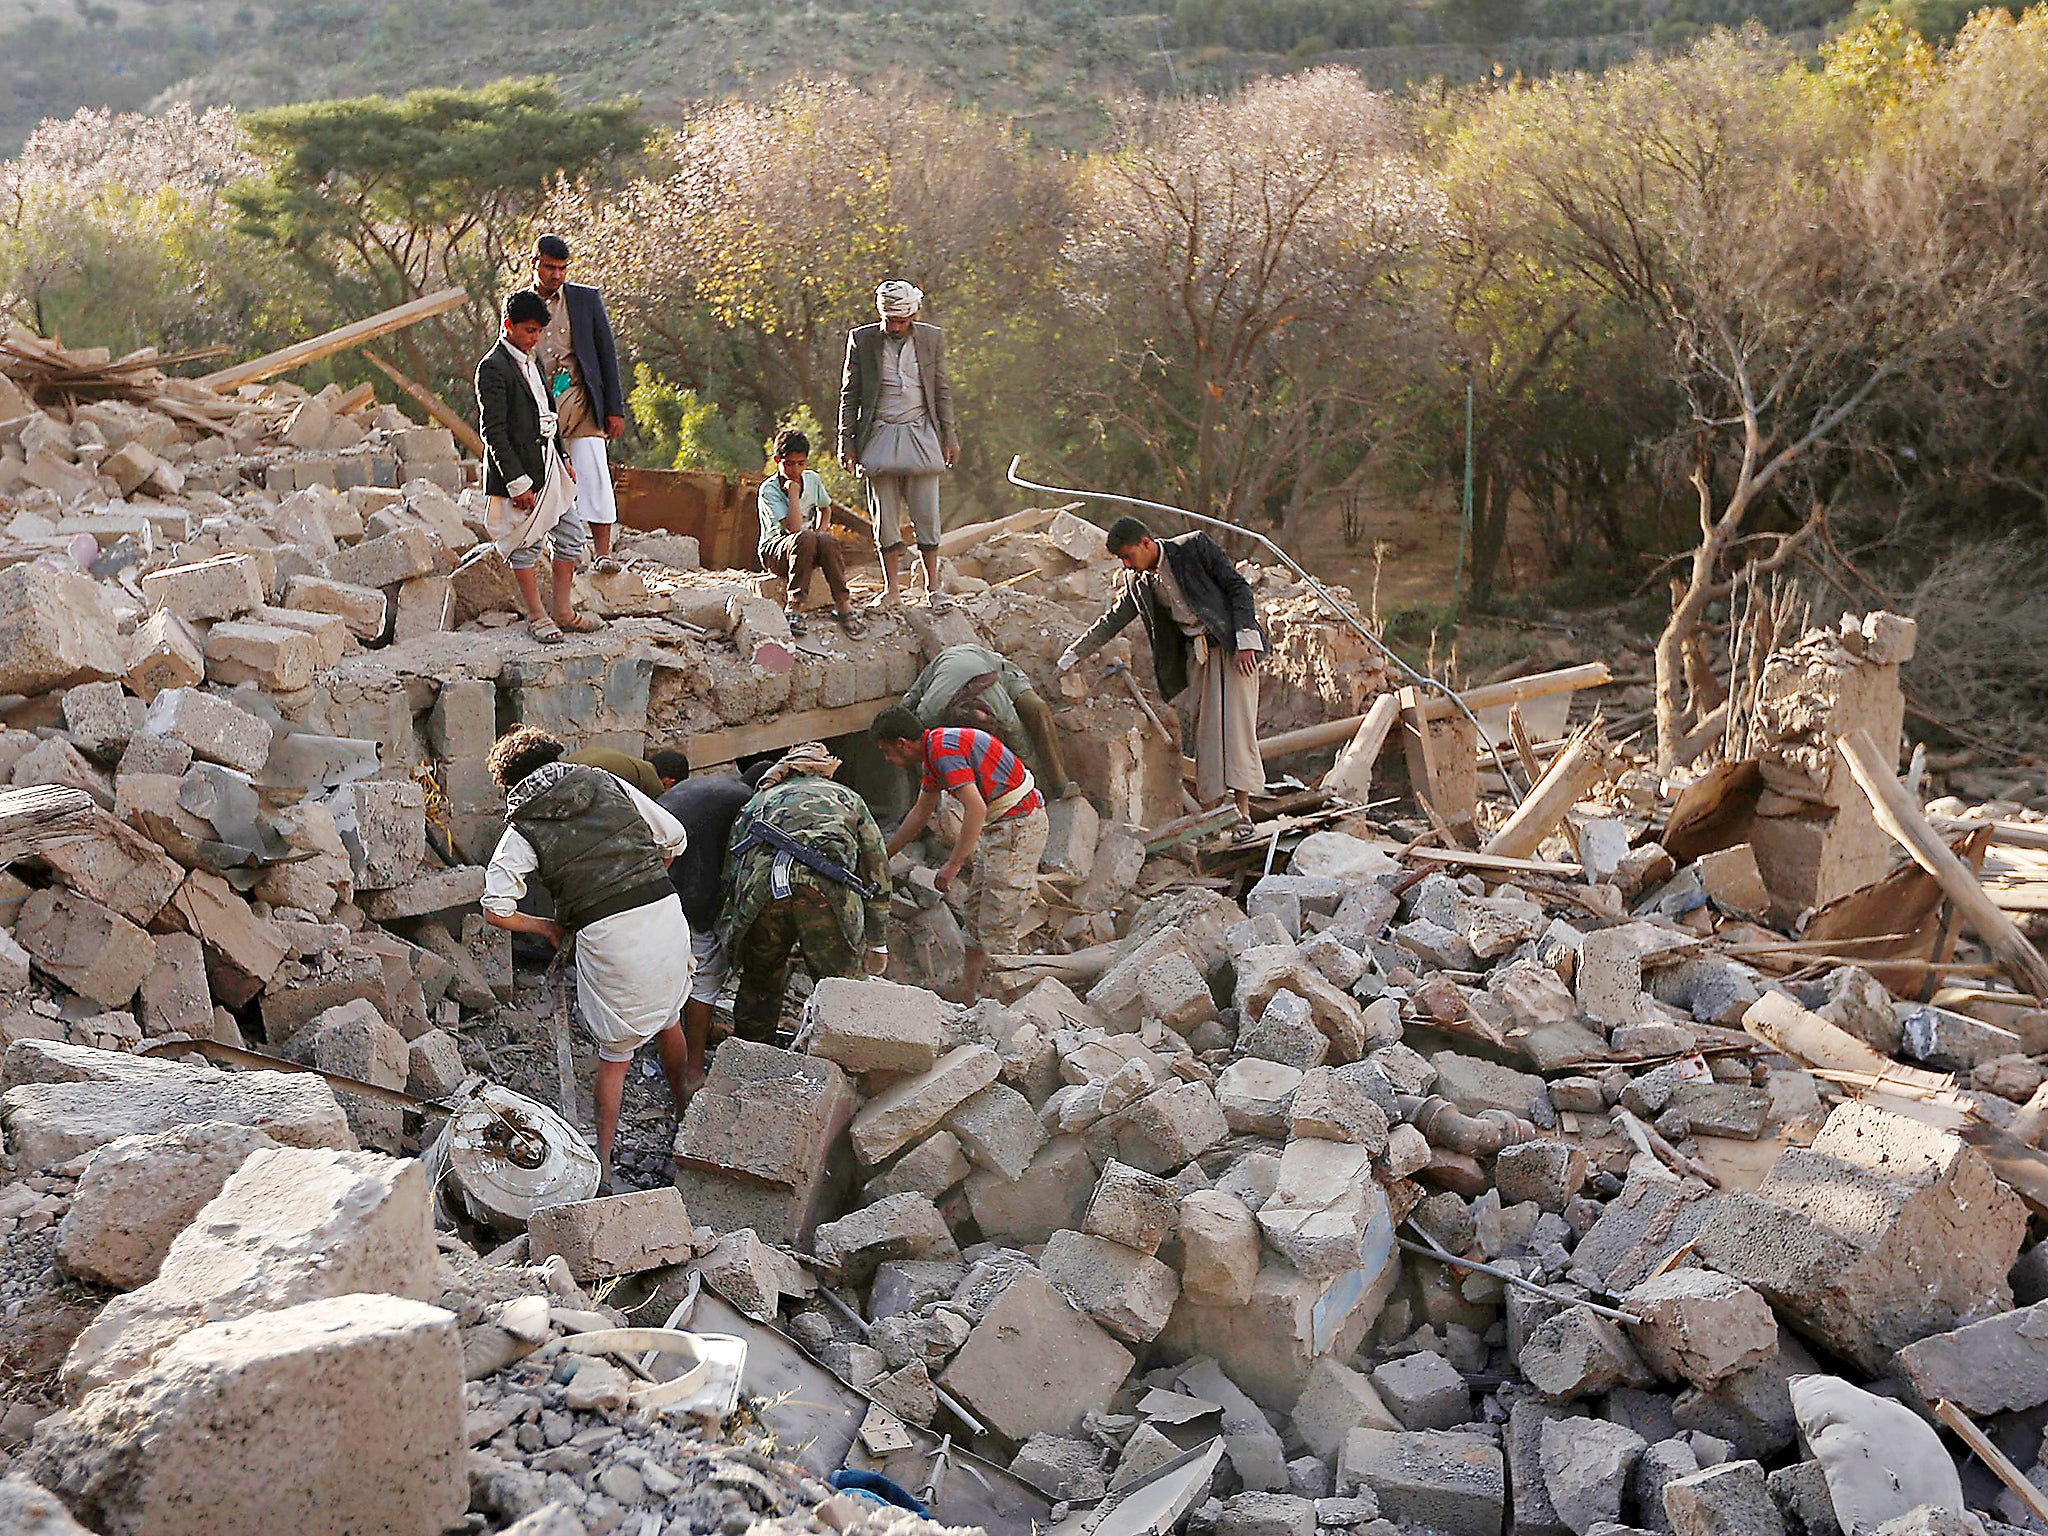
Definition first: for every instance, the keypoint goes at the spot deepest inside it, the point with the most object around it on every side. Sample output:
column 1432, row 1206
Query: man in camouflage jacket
column 830, row 922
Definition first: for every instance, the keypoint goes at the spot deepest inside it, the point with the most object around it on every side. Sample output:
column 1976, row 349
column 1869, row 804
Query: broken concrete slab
column 1882, row 1232
column 755, row 1146
column 1219, row 1242
column 84, row 946
column 53, row 1120
column 905, row 1226
column 1587, row 1464
column 1128, row 1292
column 136, row 1194
column 1700, row 1326
column 867, row 1024
column 1996, row 1365
column 895, row 1118
column 238, row 1428
column 1035, row 1363
column 1335, row 1400
column 291, row 1225
column 1728, row 1500
column 1455, row 1484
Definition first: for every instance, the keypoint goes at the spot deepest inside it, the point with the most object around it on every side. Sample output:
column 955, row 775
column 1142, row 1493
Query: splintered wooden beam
column 311, row 350
column 1585, row 761
column 1900, row 816
column 38, row 816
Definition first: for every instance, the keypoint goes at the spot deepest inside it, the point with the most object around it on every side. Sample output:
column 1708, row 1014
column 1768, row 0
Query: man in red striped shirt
column 1002, row 826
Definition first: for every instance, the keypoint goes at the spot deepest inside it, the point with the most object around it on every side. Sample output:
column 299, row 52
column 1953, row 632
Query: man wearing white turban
column 896, row 427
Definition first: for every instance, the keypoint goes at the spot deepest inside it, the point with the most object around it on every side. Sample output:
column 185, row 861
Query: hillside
column 1049, row 65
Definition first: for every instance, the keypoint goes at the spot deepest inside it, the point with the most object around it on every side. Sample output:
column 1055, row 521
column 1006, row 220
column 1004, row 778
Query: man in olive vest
column 602, row 850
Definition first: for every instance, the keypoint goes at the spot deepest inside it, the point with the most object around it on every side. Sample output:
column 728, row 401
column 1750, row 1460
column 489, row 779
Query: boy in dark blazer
column 532, row 494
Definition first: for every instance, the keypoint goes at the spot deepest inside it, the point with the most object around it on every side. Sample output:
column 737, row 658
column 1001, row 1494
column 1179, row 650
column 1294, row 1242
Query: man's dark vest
column 597, row 857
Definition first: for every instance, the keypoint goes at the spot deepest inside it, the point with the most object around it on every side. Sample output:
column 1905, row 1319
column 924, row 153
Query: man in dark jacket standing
column 580, row 360
column 530, row 496
column 1206, row 643
column 896, row 427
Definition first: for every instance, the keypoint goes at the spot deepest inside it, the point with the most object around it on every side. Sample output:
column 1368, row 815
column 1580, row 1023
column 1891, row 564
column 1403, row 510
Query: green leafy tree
column 383, row 200
column 679, row 429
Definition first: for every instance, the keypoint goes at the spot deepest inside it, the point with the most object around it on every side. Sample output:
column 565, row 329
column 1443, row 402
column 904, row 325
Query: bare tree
column 1249, row 265
column 1741, row 208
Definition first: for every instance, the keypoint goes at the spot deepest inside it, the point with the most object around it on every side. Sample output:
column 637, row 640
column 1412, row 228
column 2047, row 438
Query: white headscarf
column 896, row 297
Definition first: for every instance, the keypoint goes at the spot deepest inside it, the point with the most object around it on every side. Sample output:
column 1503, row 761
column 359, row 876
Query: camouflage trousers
column 763, row 955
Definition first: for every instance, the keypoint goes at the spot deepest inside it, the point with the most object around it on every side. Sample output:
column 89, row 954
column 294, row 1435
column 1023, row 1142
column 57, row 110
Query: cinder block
column 219, row 588
column 615, row 1235
column 867, row 1024
column 84, row 946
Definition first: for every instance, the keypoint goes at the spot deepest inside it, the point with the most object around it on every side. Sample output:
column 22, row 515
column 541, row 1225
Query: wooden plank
column 435, row 407
column 1591, row 674
column 1897, row 813
column 38, row 816
column 311, row 350
column 1351, row 775
column 1808, row 1038
column 1466, row 858
column 1584, row 762
column 1988, row 1452
column 2004, row 834
column 960, row 540
column 732, row 743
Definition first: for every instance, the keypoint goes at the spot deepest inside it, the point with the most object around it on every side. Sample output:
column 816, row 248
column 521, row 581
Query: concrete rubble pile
column 1205, row 1172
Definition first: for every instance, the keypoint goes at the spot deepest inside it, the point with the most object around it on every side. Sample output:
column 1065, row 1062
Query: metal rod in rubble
column 1357, row 625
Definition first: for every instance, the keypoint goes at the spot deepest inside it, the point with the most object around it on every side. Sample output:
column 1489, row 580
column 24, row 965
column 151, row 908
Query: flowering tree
column 1247, row 263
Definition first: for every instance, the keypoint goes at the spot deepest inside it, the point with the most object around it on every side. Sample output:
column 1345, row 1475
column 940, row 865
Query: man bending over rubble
column 602, row 850
column 1003, row 826
column 974, row 686
column 805, row 871
column 1206, row 643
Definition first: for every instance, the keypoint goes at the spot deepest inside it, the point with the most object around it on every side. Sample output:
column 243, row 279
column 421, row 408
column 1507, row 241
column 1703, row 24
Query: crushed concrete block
column 384, row 824
column 1729, row 1500
column 1661, row 1465
column 615, row 1234
column 1700, row 1326
column 1586, row 1468
column 755, row 1144
column 930, row 1168
column 998, row 1130
column 384, row 561
column 29, row 1510
column 1449, row 1483
column 1327, row 1216
column 56, row 629
column 1170, row 1127
column 1572, row 1353
column 1262, row 972
column 1336, row 1400
column 138, row 1193
column 1256, row 1096
column 900, row 1227
column 1423, row 1391
column 1052, row 1194
column 1255, row 1513
column 119, row 868
column 895, row 1118
column 204, row 590
column 243, row 950
column 99, row 718
column 1072, row 828
column 84, row 946
column 1219, row 1243
column 235, row 1429
column 1285, row 1032
column 164, row 652
column 1174, row 992
column 1882, row 1232
column 1331, row 1105
column 1750, row 1410
column 271, row 656
column 216, row 730
column 1801, row 1494
column 1131, row 1207
column 743, row 1270
column 291, row 1225
column 867, row 1024
column 433, row 1065
column 363, row 609
column 1550, row 1173
column 1061, row 1467
column 1035, row 1363
column 1522, row 1441
column 1997, row 1365
column 1128, row 1292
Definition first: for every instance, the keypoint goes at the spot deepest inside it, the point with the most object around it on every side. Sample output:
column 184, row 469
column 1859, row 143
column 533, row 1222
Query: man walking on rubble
column 896, row 427
column 1206, row 643
column 805, row 872
column 1003, row 826
column 601, row 849
column 580, row 361
column 707, row 807
column 974, row 686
